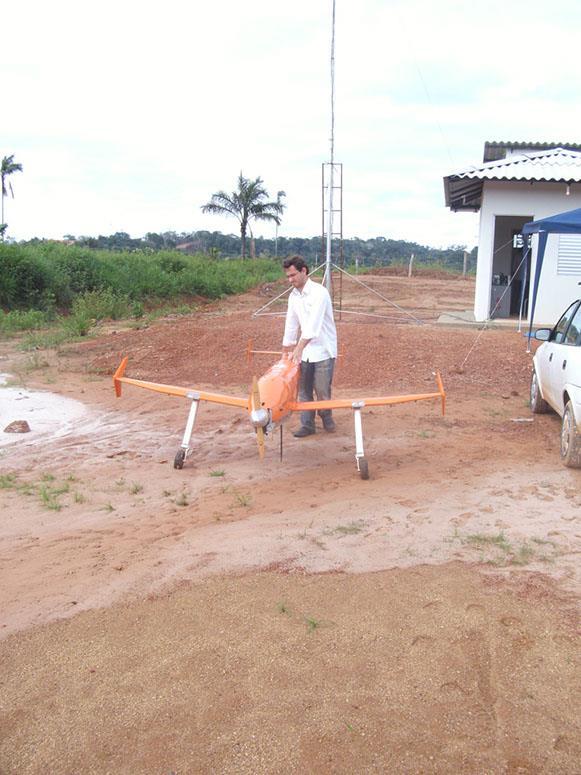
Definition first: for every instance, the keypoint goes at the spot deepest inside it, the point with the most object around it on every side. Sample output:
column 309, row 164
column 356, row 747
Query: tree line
column 247, row 203
column 377, row 251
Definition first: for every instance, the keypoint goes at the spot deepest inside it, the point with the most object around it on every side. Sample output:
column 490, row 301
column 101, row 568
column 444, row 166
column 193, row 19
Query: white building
column 517, row 183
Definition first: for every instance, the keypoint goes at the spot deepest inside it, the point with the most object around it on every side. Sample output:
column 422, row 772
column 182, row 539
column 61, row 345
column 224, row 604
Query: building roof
column 493, row 151
column 463, row 189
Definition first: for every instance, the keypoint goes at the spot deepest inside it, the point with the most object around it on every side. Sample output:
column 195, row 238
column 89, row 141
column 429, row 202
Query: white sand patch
column 46, row 413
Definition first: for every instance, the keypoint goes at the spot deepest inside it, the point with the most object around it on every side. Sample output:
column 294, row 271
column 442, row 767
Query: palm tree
column 249, row 202
column 279, row 196
column 7, row 167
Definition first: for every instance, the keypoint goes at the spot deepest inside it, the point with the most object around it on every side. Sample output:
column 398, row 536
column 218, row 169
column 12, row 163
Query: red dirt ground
column 239, row 616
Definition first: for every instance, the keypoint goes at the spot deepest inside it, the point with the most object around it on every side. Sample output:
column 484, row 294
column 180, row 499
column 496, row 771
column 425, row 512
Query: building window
column 569, row 255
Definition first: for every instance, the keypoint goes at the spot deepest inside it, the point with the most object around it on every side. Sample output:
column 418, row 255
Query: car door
column 565, row 359
column 554, row 361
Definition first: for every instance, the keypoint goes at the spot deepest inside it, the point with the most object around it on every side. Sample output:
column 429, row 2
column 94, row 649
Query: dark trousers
column 315, row 379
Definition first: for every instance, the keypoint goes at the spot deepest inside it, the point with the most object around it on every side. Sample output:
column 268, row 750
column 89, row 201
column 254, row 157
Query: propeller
column 256, row 405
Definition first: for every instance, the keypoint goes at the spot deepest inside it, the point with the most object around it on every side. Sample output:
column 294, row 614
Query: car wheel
column 570, row 439
column 538, row 403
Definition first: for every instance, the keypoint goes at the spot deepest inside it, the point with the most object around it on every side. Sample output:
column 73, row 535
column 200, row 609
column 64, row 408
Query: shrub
column 23, row 320
column 45, row 275
column 25, row 278
column 90, row 308
column 74, row 272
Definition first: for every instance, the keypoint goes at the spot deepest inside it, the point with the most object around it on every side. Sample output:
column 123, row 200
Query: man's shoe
column 303, row 431
column 329, row 425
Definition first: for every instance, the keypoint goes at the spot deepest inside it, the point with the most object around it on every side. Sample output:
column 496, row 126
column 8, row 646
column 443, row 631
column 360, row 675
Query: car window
column 573, row 334
column 558, row 335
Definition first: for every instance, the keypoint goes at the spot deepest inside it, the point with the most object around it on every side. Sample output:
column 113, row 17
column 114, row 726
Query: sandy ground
column 239, row 616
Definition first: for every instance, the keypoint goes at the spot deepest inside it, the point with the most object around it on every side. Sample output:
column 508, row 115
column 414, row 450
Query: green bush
column 92, row 307
column 25, row 278
column 103, row 304
column 74, row 272
column 48, row 275
column 23, row 320
column 79, row 322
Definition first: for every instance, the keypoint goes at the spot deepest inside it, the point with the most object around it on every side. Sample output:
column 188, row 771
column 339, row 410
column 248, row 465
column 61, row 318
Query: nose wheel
column 179, row 459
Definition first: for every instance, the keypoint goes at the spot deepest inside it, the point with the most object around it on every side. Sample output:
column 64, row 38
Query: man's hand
column 295, row 351
column 297, row 355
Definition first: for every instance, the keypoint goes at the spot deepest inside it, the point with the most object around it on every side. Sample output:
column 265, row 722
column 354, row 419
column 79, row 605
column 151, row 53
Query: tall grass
column 48, row 275
column 23, row 320
column 401, row 267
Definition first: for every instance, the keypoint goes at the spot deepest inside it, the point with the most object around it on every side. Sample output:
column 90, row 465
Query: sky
column 128, row 116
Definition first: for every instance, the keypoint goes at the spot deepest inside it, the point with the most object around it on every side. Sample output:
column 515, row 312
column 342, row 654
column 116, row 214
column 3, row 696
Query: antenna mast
column 329, row 183
column 332, row 225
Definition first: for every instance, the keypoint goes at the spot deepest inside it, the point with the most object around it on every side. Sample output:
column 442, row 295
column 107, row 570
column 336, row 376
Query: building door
column 504, row 298
column 520, row 274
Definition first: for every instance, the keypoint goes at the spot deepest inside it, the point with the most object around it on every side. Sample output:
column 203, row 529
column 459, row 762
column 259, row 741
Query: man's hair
column 298, row 262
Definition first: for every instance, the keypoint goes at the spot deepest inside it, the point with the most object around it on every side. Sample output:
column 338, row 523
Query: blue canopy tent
column 562, row 223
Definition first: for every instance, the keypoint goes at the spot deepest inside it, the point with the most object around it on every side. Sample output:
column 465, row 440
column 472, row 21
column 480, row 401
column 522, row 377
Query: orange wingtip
column 441, row 391
column 118, row 374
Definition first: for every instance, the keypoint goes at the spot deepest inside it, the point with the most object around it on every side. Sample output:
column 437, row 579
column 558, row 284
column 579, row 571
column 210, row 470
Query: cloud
column 128, row 116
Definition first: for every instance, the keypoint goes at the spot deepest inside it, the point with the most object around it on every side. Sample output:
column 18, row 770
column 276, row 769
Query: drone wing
column 358, row 403
column 172, row 390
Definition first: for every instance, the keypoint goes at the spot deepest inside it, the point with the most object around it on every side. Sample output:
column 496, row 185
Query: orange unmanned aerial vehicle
column 272, row 399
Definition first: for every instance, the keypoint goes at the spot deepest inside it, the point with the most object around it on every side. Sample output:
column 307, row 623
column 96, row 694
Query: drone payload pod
column 272, row 399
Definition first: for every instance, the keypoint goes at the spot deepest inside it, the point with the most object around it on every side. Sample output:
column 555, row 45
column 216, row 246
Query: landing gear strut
column 184, row 450
column 360, row 459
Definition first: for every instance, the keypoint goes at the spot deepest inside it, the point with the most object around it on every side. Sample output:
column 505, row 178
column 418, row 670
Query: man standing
column 310, row 310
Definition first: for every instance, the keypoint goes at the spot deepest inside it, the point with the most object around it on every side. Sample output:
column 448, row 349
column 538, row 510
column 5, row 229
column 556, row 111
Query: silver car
column 556, row 379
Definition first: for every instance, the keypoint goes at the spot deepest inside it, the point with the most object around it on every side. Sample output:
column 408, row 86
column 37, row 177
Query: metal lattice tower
column 332, row 217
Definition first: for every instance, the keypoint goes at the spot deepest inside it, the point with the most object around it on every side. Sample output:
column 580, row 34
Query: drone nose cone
column 259, row 418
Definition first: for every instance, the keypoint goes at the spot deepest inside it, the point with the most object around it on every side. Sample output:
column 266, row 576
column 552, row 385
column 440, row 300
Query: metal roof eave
column 463, row 193
column 496, row 150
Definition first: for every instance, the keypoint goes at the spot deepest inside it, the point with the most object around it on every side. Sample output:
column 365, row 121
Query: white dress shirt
column 311, row 311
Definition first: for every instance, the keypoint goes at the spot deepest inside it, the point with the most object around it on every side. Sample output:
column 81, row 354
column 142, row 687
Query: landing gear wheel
column 570, row 439
column 538, row 403
column 179, row 459
column 363, row 468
